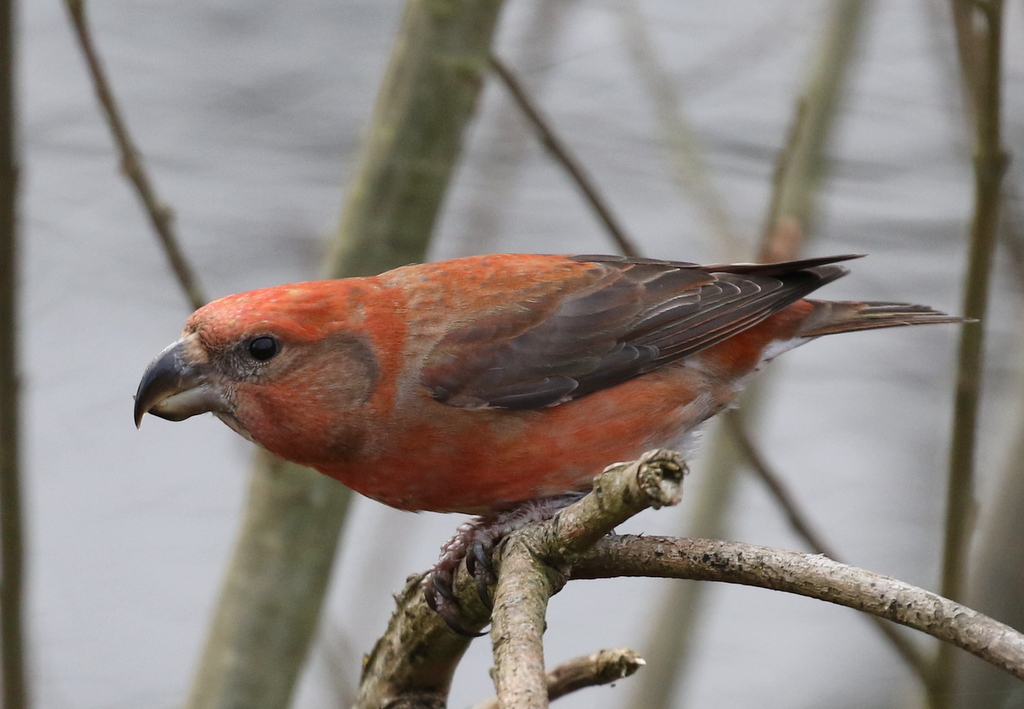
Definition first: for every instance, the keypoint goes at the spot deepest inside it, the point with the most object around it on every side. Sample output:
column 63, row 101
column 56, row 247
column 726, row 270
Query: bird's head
column 287, row 367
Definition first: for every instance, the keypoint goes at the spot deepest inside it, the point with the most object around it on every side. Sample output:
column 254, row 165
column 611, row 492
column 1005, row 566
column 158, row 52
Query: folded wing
column 628, row 317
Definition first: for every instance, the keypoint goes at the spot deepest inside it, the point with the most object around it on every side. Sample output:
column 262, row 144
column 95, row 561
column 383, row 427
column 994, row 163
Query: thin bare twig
column 601, row 667
column 502, row 155
column 563, row 155
column 12, row 553
column 990, row 161
column 691, row 167
column 811, row 575
column 160, row 215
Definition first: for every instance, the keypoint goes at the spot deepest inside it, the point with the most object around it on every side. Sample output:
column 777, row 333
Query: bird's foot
column 475, row 542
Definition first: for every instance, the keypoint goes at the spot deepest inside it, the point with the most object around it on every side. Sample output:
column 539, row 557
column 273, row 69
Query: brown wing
column 632, row 316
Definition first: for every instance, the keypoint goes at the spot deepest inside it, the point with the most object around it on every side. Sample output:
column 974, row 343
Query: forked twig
column 416, row 657
column 532, row 564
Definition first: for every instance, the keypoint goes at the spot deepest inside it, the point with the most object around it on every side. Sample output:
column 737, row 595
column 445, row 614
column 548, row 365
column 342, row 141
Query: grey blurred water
column 249, row 114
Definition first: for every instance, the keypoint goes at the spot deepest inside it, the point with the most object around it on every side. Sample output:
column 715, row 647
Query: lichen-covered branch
column 413, row 662
column 533, row 563
column 809, row 575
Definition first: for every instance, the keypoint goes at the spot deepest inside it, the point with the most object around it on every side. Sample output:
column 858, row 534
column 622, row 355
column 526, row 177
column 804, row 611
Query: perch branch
column 160, row 215
column 415, row 659
column 809, row 575
column 533, row 563
column 602, row 667
column 413, row 662
column 558, row 149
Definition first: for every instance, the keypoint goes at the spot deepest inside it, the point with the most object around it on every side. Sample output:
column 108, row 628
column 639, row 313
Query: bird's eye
column 263, row 348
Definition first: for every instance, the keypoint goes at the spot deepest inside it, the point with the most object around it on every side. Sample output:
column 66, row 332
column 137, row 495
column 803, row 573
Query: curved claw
column 475, row 541
column 480, row 564
column 440, row 598
column 442, row 587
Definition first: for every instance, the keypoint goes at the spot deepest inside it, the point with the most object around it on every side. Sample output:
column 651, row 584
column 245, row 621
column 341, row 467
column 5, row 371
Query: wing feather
column 631, row 317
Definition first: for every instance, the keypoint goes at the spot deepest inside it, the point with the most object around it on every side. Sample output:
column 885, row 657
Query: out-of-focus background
column 250, row 115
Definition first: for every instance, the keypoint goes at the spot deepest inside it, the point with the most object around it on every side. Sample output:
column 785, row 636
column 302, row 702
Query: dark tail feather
column 832, row 316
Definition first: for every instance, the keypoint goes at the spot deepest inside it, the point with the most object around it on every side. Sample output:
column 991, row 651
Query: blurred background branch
column 426, row 100
column 791, row 207
column 271, row 600
column 161, row 216
column 804, row 529
column 561, row 153
column 687, row 154
column 734, row 73
column 12, row 545
column 982, row 63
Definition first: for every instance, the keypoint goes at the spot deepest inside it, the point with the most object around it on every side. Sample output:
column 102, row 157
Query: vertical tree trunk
column 12, row 641
column 272, row 597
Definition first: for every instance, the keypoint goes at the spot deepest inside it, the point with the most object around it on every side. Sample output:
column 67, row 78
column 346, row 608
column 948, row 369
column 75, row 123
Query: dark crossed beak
column 175, row 386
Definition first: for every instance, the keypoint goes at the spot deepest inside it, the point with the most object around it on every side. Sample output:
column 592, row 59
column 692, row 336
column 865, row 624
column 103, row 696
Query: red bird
column 475, row 384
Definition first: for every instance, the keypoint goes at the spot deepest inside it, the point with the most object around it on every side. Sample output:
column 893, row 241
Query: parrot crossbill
column 475, row 384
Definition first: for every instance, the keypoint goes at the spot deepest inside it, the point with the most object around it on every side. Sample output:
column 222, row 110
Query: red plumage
column 473, row 384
